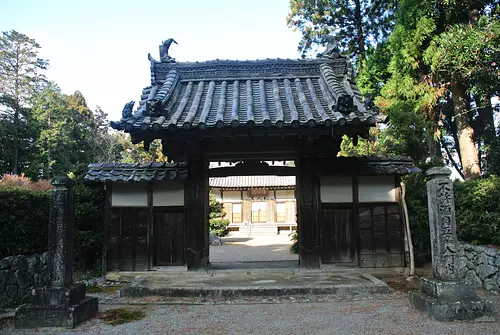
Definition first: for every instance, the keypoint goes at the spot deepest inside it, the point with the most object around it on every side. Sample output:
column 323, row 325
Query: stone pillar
column 62, row 303
column 443, row 296
column 61, row 232
column 442, row 224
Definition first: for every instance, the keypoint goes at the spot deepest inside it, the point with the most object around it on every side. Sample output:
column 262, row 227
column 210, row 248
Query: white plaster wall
column 168, row 193
column 377, row 189
column 335, row 189
column 230, row 196
column 129, row 195
column 217, row 192
column 285, row 194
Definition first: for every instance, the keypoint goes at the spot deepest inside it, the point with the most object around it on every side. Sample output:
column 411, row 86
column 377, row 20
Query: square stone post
column 444, row 296
column 62, row 304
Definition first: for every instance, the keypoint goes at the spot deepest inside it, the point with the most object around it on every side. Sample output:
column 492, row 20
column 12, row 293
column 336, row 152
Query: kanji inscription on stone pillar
column 442, row 224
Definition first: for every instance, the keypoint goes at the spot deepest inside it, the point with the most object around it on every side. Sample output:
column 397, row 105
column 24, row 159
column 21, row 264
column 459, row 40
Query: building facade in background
column 257, row 204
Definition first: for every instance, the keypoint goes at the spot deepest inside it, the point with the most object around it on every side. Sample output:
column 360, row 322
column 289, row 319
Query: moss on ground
column 121, row 315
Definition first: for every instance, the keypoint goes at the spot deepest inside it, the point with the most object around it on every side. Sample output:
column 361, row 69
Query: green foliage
column 219, row 227
column 353, row 24
column 89, row 216
column 416, row 201
column 477, row 210
column 294, row 236
column 20, row 78
column 24, row 216
column 217, row 223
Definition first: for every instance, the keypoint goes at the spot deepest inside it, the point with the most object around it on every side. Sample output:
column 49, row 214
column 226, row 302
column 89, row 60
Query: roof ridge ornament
column 332, row 48
column 127, row 110
column 164, row 56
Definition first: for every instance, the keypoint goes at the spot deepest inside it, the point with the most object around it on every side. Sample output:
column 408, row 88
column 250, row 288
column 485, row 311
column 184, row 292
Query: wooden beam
column 196, row 211
column 245, row 169
column 307, row 212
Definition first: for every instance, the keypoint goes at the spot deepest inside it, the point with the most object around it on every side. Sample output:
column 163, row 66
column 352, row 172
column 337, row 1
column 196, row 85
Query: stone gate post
column 62, row 304
column 444, row 296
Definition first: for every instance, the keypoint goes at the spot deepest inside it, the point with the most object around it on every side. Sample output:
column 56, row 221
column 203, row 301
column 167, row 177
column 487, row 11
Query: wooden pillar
column 196, row 211
column 107, row 217
column 307, row 214
column 355, row 218
column 149, row 227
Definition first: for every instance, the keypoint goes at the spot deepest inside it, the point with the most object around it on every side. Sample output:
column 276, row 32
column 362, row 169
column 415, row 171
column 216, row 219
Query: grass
column 103, row 289
column 94, row 289
column 120, row 316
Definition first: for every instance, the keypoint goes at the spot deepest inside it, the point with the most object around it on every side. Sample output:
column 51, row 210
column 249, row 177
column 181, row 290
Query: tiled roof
column 267, row 93
column 252, row 181
column 120, row 172
column 365, row 166
column 374, row 166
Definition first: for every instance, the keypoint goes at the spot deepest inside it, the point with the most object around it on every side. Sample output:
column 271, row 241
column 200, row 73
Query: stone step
column 256, row 283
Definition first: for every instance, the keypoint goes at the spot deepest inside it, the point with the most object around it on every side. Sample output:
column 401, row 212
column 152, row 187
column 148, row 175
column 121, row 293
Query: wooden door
column 168, row 232
column 337, row 238
column 127, row 248
column 381, row 235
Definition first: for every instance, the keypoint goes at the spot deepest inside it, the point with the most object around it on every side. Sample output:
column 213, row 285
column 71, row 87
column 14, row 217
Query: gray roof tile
column 122, row 172
column 265, row 93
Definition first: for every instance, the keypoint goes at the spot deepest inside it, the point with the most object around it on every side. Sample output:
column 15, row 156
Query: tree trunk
column 434, row 145
column 487, row 121
column 15, row 143
column 361, row 36
column 468, row 152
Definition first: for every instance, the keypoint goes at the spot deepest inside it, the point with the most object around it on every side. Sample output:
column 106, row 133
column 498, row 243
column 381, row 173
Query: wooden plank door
column 168, row 234
column 337, row 238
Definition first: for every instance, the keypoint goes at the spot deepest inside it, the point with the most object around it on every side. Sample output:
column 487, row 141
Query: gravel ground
column 377, row 314
column 242, row 248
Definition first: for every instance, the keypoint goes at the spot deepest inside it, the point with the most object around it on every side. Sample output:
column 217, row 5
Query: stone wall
column 480, row 265
column 20, row 274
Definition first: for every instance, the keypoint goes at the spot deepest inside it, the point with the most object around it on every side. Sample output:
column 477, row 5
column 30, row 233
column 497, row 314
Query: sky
column 100, row 47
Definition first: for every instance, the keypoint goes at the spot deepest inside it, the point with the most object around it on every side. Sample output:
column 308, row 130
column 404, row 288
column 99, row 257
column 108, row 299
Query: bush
column 219, row 226
column 13, row 180
column 477, row 210
column 24, row 218
column 89, row 218
column 416, row 201
column 294, row 248
column 216, row 223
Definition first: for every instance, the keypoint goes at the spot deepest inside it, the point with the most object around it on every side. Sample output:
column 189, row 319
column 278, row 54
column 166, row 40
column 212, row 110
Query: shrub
column 416, row 201
column 216, row 223
column 24, row 217
column 89, row 216
column 477, row 210
column 294, row 248
column 13, row 180
column 219, row 226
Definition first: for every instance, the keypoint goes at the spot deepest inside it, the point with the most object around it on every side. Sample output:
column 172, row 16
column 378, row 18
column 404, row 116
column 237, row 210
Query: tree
column 217, row 223
column 20, row 77
column 55, row 139
column 465, row 57
column 354, row 23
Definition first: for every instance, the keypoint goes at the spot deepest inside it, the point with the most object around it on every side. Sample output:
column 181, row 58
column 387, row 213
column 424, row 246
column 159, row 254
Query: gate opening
column 262, row 215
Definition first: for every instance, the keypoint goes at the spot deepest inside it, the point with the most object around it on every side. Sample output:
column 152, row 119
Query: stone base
column 58, row 296
column 28, row 316
column 449, row 300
